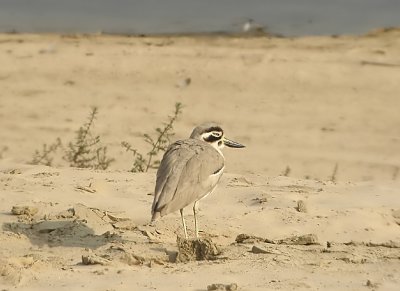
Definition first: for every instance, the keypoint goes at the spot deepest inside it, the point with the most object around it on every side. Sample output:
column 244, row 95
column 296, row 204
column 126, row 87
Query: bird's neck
column 219, row 149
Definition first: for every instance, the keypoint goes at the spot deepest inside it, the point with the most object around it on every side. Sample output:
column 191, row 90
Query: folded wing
column 189, row 170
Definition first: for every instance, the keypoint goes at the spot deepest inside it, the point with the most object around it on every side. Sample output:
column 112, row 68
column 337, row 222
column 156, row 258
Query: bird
column 189, row 171
column 252, row 28
column 248, row 25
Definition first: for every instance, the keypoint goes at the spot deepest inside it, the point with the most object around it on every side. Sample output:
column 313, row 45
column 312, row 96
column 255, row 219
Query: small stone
column 257, row 250
column 132, row 260
column 184, row 83
column 246, row 238
column 370, row 284
column 396, row 213
column 65, row 214
column 15, row 172
column 196, row 249
column 124, row 225
column 301, row 206
column 261, row 200
column 228, row 287
column 94, row 260
column 307, row 239
column 24, row 210
column 396, row 216
column 216, row 287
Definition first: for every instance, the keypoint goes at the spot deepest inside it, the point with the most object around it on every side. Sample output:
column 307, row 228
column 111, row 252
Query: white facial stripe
column 215, row 134
column 206, row 135
column 215, row 139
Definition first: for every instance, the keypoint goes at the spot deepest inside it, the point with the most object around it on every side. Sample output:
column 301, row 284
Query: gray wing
column 189, row 170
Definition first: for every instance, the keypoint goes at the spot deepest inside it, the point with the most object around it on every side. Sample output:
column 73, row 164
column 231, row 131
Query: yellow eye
column 216, row 133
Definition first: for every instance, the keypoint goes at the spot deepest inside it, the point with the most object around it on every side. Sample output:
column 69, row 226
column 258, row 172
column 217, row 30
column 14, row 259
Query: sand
column 311, row 203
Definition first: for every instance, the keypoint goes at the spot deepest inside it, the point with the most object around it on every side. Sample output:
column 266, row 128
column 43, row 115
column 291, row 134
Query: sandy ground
column 320, row 119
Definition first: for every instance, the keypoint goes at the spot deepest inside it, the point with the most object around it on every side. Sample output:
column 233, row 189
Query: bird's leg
column 195, row 220
column 184, row 224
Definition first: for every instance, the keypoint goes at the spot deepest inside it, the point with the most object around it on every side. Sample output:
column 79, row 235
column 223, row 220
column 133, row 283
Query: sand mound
column 196, row 249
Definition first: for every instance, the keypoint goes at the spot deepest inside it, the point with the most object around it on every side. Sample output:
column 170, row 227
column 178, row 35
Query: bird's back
column 189, row 170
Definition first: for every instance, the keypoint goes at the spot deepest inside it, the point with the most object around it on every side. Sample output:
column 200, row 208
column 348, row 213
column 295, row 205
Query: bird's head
column 213, row 134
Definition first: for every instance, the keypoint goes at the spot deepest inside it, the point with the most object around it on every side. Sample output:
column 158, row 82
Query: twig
column 379, row 64
column 335, row 169
column 158, row 144
column 287, row 171
column 163, row 135
column 2, row 151
column 44, row 156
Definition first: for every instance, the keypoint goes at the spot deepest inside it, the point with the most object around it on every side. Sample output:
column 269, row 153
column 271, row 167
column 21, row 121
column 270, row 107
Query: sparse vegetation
column 159, row 143
column 45, row 156
column 286, row 172
column 395, row 172
column 85, row 151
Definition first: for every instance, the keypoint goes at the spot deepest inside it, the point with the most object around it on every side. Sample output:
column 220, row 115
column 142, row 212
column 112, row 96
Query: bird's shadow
column 172, row 254
column 62, row 232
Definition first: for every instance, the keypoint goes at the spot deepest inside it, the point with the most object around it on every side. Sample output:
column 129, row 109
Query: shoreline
column 217, row 34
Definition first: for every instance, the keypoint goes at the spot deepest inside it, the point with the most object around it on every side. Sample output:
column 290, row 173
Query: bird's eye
column 216, row 133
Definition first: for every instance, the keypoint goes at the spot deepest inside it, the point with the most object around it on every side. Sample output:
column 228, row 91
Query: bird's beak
column 232, row 144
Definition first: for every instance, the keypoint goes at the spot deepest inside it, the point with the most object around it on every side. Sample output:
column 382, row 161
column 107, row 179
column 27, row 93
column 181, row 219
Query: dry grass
column 86, row 151
column 158, row 144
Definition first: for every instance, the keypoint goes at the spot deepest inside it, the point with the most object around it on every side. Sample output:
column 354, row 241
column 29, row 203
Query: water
column 288, row 17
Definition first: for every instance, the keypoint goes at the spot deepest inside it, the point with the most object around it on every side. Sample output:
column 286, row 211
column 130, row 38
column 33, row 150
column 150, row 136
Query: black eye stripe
column 214, row 128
